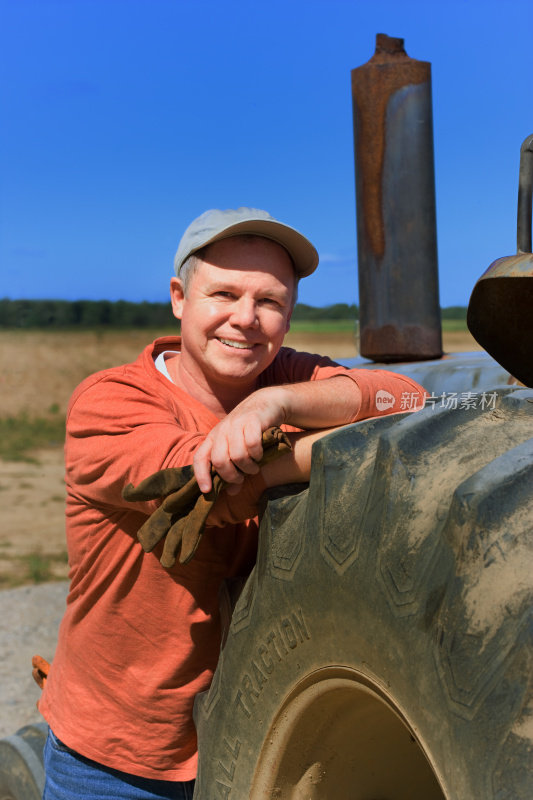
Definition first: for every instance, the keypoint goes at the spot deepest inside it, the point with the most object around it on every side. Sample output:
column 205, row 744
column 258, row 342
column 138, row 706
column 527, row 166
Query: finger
column 244, row 466
column 276, row 443
column 253, row 438
column 202, row 465
column 226, row 457
column 234, row 453
column 230, row 473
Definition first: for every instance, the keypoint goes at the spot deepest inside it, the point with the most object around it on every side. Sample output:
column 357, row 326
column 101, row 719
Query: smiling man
column 138, row 641
column 235, row 311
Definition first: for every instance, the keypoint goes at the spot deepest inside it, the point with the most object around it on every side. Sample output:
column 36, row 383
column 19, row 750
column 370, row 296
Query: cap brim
column 300, row 249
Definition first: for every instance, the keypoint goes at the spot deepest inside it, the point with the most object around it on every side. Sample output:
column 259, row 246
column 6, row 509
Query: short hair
column 188, row 268
column 190, row 265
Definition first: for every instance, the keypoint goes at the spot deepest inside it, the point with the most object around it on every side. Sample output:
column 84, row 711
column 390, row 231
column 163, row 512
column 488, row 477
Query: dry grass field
column 38, row 371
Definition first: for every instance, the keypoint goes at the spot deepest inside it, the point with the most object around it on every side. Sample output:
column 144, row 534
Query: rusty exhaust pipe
column 395, row 198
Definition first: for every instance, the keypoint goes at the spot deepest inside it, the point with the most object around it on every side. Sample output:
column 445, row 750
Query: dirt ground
column 38, row 371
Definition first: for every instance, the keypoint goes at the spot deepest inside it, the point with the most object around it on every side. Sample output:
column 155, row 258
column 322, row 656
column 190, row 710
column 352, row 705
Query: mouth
column 235, row 344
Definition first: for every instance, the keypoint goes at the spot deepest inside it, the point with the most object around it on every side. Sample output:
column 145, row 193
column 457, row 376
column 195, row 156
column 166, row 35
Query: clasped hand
column 182, row 516
column 234, row 447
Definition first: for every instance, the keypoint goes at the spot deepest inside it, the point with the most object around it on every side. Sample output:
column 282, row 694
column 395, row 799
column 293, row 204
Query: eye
column 224, row 295
column 271, row 301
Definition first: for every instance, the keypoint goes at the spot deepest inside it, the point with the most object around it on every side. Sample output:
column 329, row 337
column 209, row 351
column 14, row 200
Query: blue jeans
column 70, row 776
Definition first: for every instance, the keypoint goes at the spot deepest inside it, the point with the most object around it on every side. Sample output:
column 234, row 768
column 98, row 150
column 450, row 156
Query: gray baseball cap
column 215, row 224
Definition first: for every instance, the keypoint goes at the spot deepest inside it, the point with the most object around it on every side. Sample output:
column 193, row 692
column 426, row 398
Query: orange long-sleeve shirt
column 137, row 641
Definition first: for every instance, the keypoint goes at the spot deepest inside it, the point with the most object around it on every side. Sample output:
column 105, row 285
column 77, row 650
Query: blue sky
column 122, row 120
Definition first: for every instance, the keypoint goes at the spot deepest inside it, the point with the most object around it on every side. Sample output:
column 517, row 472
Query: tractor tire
column 382, row 646
column 21, row 763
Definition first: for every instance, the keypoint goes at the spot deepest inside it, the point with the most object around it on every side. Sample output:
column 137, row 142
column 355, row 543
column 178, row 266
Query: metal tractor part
column 396, row 217
column 500, row 312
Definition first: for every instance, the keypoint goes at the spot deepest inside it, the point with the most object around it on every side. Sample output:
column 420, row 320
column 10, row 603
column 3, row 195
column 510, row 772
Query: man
column 138, row 641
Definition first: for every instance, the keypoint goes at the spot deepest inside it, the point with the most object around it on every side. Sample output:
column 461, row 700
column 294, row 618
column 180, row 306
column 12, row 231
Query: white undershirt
column 160, row 363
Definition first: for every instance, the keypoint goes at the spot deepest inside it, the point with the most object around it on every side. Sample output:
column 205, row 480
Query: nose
column 244, row 313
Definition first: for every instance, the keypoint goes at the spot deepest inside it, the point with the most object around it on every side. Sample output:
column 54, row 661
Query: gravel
column 29, row 620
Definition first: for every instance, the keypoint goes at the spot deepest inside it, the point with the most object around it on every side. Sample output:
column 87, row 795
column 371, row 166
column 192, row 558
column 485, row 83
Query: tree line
column 84, row 314
column 126, row 314
column 123, row 314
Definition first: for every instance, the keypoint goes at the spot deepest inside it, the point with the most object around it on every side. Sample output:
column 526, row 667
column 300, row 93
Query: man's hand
column 181, row 517
column 234, row 448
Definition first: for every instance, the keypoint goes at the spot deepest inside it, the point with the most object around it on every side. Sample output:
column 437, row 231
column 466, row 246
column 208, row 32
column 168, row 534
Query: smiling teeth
column 238, row 345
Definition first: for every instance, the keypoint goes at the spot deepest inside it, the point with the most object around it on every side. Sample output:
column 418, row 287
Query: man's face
column 236, row 312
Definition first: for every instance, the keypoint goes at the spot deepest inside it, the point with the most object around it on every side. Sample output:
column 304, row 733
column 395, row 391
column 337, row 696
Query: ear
column 177, row 297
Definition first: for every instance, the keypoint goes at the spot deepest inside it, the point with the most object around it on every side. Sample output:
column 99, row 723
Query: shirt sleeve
column 119, row 433
column 382, row 391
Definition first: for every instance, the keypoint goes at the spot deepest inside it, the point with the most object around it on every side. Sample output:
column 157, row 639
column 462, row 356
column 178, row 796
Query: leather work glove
column 182, row 515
